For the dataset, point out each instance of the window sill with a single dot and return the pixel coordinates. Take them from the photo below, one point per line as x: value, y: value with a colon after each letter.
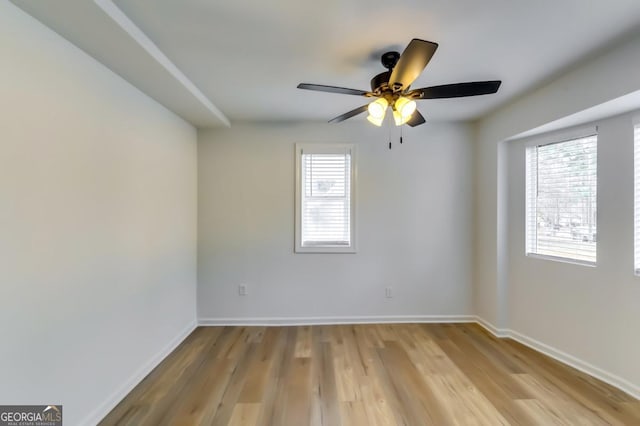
x: 325, y: 250
x: 562, y: 259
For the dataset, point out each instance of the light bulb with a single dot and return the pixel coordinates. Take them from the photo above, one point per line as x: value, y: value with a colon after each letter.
x: 405, y: 106
x: 378, y: 107
x: 375, y: 120
x: 399, y: 119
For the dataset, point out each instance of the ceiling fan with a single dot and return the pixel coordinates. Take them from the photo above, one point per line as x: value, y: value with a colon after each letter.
x: 392, y: 88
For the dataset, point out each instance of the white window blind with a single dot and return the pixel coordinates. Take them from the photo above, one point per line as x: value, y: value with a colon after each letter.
x: 561, y: 200
x: 325, y: 198
x: 636, y: 202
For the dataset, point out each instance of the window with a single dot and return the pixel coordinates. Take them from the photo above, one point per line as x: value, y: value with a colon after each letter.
x: 636, y: 202
x: 561, y: 200
x: 325, y: 198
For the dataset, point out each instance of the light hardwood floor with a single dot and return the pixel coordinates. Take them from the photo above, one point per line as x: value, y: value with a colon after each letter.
x: 401, y: 374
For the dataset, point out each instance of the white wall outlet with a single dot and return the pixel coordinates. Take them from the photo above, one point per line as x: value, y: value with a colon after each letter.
x: 388, y: 292
x: 242, y: 290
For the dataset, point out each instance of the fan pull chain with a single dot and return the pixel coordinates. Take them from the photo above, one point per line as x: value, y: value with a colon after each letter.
x: 400, y: 135
x: 389, y: 127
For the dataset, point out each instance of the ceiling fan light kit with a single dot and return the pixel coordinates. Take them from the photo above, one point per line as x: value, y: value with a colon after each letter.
x: 399, y: 119
x: 405, y: 106
x: 378, y: 108
x: 377, y: 121
x: 393, y: 87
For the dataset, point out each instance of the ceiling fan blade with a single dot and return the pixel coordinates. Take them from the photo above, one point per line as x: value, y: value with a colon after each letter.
x: 349, y: 114
x: 457, y: 90
x: 416, y: 119
x: 411, y: 63
x: 333, y: 89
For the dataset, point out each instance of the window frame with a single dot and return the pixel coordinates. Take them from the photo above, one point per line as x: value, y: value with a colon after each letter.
x: 635, y: 127
x: 553, y: 138
x: 327, y: 148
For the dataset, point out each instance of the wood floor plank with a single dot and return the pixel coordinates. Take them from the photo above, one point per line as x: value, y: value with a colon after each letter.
x: 462, y: 402
x: 327, y: 391
x: 496, y: 370
x: 426, y: 355
x: 245, y: 414
x: 303, y: 343
x: 297, y: 405
x: 345, y: 368
x: 256, y: 382
x: 558, y: 404
x: 199, y: 403
x: 416, y: 398
x: 387, y: 392
x: 376, y: 403
x: 484, y: 382
x: 273, y: 409
x: 354, y: 413
x: 539, y: 413
x: 491, y: 348
x: 366, y: 375
x: 235, y: 384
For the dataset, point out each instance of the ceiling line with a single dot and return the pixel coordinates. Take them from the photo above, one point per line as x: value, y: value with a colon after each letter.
x: 120, y: 18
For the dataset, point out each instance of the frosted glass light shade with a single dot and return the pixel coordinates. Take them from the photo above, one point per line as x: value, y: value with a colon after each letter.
x: 375, y: 120
x: 378, y: 107
x: 405, y: 106
x: 399, y: 119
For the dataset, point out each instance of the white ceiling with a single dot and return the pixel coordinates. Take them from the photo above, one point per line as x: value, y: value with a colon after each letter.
x: 245, y: 57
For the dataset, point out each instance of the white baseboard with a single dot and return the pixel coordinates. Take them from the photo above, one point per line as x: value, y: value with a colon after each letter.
x: 563, y: 357
x: 273, y: 321
x: 498, y: 332
x: 99, y: 413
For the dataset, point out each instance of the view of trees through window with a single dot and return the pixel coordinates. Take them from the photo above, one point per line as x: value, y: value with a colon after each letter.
x: 562, y: 199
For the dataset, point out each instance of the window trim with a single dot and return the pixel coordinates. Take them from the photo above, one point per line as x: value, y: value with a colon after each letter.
x: 324, y: 148
x: 552, y: 138
x: 559, y: 136
x: 635, y: 123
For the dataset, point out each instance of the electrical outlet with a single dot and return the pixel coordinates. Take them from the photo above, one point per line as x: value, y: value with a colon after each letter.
x: 388, y: 293
x: 242, y: 290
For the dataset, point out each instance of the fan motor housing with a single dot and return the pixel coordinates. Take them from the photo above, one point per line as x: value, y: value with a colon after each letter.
x: 380, y: 81
x: 389, y: 59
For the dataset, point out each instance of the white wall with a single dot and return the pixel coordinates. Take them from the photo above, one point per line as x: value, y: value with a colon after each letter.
x: 592, y: 312
x: 600, y: 79
x: 97, y: 224
x: 413, y: 217
x: 589, y: 314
